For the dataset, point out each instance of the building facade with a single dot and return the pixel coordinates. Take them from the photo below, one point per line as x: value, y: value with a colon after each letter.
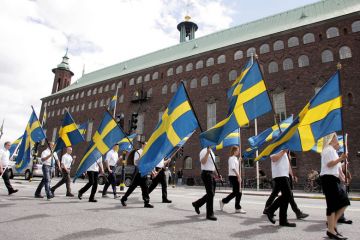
x: 298, y: 51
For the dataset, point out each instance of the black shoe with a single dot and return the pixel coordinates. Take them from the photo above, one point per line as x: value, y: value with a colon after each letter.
x: 13, y: 191
x: 70, y: 195
x: 38, y: 196
x: 333, y: 236
x: 345, y: 221
x: 212, y: 218
x: 116, y: 196
x: 105, y: 196
x: 197, y: 209
x: 92, y: 200
x: 265, y: 211
x: 301, y: 215
x: 79, y: 195
x: 148, y: 205
x: 287, y: 224
x: 270, y: 217
x: 123, y: 202
x: 167, y: 201
x: 52, y: 192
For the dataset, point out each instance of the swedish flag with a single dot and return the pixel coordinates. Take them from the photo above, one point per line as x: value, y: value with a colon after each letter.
x: 112, y: 103
x: 107, y: 135
x: 179, y: 145
x: 125, y: 143
x: 233, y: 139
x: 319, y: 145
x: 33, y: 133
x: 14, y: 145
x: 250, y: 101
x: 320, y: 117
x: 177, y: 122
x: 82, y: 128
x: 69, y: 134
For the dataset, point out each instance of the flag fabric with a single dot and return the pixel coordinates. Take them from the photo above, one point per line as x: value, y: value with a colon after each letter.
x: 82, y: 129
x: 69, y: 134
x: 33, y: 133
x: 112, y: 103
x: 179, y: 145
x: 320, y: 117
x: 107, y: 135
x: 125, y: 143
x: 250, y: 100
x: 177, y: 122
x: 233, y: 139
x: 319, y: 145
x: 14, y: 145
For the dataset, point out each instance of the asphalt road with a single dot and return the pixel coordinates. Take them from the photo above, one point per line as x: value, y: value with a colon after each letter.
x: 24, y: 217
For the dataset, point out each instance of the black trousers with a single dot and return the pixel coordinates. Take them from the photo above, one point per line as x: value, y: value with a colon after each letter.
x: 93, y: 182
x: 65, y: 179
x: 138, y: 181
x: 282, y: 202
x: 160, y: 178
x: 6, y: 178
x: 208, y: 198
x: 275, y: 193
x: 112, y: 181
x: 235, y: 192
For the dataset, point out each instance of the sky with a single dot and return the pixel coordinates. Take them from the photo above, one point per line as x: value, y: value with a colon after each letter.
x: 98, y: 33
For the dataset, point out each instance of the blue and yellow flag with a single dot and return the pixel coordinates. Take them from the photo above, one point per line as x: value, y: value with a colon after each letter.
x: 69, y: 134
x: 125, y: 143
x: 107, y: 135
x: 319, y: 145
x: 44, y: 117
x: 14, y: 145
x: 177, y: 122
x: 82, y: 129
x: 320, y: 117
x: 233, y: 139
x: 112, y: 104
x: 33, y: 133
x: 179, y: 145
x: 250, y: 100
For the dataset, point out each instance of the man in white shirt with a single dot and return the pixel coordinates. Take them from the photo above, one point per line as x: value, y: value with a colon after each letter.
x: 280, y: 168
x: 66, y: 162
x: 111, y: 160
x: 159, y: 176
x: 4, y: 167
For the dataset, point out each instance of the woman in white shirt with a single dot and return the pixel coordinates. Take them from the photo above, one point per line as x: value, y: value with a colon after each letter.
x: 336, y: 197
x: 235, y: 180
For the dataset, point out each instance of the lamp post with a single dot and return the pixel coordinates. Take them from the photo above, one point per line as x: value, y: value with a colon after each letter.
x: 122, y: 182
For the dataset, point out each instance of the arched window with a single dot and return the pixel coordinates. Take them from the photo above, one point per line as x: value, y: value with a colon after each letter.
x: 119, y: 85
x: 155, y: 75
x: 232, y: 75
x: 139, y: 80
x: 173, y: 88
x: 308, y: 38
x: 265, y: 48
x: 76, y: 97
x: 189, y: 67
x: 278, y: 45
x: 293, y: 42
x: 90, y: 105
x: 102, y: 103
x: 204, y: 81
x: 327, y: 56
x: 170, y: 72
x: 106, y: 88
x: 179, y: 69
x: 238, y: 55
x: 63, y: 98
x: 188, y: 163
x: 82, y: 94
x: 199, y: 64
x: 164, y: 89
x: 215, y: 78
x: 279, y: 105
x: 107, y: 102
x: 221, y: 59
x: 303, y: 61
x: 83, y: 107
x: 96, y: 104
x: 66, y: 99
x: 147, y: 77
x: 345, y: 52
x: 355, y: 26
x: 149, y: 92
x: 288, y: 64
x: 193, y: 83
x: 210, y: 62
x: 332, y: 32
x: 58, y: 112
x: 121, y: 98
x: 100, y: 89
x: 251, y: 51
x: 273, y: 67
x: 77, y: 108
x: 94, y: 91
x: 89, y: 93
x: 113, y: 86
x: 132, y: 81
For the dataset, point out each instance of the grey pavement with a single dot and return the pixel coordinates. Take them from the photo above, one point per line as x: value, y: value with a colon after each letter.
x: 24, y: 217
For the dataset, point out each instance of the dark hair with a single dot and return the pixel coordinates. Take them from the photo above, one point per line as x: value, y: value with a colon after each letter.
x: 6, y: 143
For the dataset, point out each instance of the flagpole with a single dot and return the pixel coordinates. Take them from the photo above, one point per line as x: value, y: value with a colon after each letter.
x: 201, y: 130
x: 257, y: 162
x: 46, y: 140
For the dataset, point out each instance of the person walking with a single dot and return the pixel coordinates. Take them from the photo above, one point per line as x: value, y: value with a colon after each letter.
x: 66, y: 162
x: 4, y: 167
x: 111, y: 160
x: 160, y: 177
x: 93, y: 174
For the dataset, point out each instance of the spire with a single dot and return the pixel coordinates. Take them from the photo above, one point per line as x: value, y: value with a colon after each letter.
x: 187, y: 29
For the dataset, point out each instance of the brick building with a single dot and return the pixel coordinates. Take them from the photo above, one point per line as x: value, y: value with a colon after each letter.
x: 298, y: 51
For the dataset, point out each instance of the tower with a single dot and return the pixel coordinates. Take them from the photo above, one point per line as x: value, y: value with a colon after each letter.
x: 187, y: 29
x: 63, y: 75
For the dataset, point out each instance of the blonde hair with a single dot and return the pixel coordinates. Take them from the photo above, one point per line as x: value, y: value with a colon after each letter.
x: 233, y: 150
x: 328, y: 139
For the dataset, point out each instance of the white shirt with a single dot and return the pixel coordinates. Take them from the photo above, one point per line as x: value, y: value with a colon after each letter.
x: 137, y: 156
x: 66, y: 160
x: 4, y: 157
x: 281, y: 167
x: 95, y: 166
x: 112, y: 158
x: 329, y: 154
x: 50, y: 160
x: 233, y: 164
x: 161, y: 164
x: 209, y: 165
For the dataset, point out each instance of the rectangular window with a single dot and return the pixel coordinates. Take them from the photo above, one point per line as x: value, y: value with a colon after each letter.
x: 249, y: 163
x: 217, y: 161
x: 280, y: 106
x: 89, y: 132
x: 140, y: 124
x: 188, y: 163
x: 160, y: 115
x: 211, y: 115
x: 54, y: 135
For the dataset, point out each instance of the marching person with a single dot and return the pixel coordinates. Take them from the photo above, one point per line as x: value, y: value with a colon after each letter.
x: 207, y: 175
x: 93, y: 173
x: 335, y: 195
x: 235, y: 180
x: 48, y: 158
x: 160, y: 176
x: 66, y: 162
x: 4, y: 167
x: 111, y: 160
x: 280, y: 168
x: 133, y: 158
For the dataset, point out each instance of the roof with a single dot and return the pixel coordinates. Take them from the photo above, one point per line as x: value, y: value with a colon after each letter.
x: 309, y: 14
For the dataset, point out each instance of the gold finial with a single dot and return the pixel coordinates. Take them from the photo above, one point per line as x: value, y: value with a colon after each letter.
x: 256, y: 56
x: 187, y: 18
x: 338, y: 66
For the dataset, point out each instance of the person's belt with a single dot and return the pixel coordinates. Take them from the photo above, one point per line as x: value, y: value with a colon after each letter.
x: 207, y: 171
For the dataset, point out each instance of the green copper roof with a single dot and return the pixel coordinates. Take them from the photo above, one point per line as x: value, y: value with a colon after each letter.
x: 295, y: 18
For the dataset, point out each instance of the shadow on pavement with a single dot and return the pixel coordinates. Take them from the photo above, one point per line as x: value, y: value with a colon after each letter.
x: 98, y: 232
x: 30, y: 217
